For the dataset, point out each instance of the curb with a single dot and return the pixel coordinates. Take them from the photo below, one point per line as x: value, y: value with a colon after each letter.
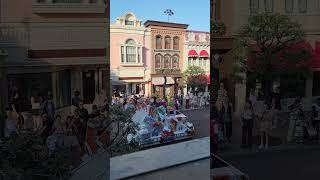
x: 275, y: 149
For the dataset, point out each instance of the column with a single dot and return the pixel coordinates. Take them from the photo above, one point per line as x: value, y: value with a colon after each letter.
x: 309, y: 87
x: 125, y: 54
x: 137, y: 49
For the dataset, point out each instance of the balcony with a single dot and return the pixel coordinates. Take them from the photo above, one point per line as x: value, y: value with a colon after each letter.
x: 68, y: 6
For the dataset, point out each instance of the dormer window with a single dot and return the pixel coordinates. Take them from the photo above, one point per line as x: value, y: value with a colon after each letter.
x: 129, y: 23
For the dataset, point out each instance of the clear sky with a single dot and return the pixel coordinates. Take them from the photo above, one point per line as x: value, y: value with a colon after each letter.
x: 195, y: 13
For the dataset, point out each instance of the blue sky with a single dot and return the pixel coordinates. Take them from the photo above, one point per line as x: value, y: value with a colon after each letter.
x: 196, y: 13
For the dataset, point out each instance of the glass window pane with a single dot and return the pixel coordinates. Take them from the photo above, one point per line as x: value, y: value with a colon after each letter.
x: 122, y: 54
x: 131, y: 54
x: 268, y: 4
x: 139, y: 54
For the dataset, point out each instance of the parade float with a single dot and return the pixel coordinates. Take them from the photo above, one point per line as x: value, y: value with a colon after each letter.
x: 158, y: 127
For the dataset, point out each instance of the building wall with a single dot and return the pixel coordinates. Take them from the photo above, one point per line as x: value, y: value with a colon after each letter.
x: 164, y: 31
x: 198, y: 46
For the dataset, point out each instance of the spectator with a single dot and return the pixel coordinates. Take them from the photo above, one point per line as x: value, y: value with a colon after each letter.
x: 76, y: 99
x: 247, y: 125
x: 78, y: 126
x: 46, y: 128
x: 84, y: 114
x: 49, y: 110
x: 16, y: 107
x: 11, y: 123
x: 36, y: 101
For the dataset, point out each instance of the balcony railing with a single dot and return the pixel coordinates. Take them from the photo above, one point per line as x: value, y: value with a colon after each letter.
x: 68, y: 6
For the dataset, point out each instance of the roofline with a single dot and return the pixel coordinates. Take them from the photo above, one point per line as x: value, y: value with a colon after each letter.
x: 198, y: 31
x: 166, y: 24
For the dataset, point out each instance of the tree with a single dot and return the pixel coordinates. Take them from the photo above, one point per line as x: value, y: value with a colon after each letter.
x: 269, y: 46
x: 195, y: 76
x: 120, y: 126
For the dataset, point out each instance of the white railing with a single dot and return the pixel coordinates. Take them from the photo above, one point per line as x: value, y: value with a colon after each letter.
x: 14, y: 34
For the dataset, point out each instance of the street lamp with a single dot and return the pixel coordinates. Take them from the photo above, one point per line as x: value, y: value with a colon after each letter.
x: 3, y: 95
x: 169, y: 13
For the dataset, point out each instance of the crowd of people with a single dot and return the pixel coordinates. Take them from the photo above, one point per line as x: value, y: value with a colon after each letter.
x: 260, y: 114
x: 55, y: 129
x: 190, y: 100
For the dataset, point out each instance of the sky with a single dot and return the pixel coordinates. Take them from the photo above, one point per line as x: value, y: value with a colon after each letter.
x: 195, y: 13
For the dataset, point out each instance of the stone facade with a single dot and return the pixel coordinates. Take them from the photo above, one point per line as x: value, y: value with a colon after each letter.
x: 167, y: 50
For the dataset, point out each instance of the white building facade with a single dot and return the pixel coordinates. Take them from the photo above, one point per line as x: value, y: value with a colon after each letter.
x: 197, y: 51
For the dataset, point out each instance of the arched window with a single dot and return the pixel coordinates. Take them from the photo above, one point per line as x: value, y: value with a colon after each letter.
x: 167, y: 42
x: 175, y: 62
x: 131, y: 51
x: 158, y: 61
x: 176, y: 43
x: 167, y: 61
x: 130, y: 42
x: 158, y: 42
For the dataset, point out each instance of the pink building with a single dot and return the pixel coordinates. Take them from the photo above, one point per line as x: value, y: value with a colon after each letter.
x: 130, y: 55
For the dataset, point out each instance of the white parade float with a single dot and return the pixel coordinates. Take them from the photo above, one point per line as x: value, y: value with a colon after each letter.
x: 158, y: 127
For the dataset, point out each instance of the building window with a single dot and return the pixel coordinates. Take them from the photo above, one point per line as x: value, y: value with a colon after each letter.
x: 302, y: 6
x: 204, y: 63
x: 268, y: 5
x: 254, y: 6
x: 139, y: 54
x: 158, y: 61
x: 167, y: 42
x: 176, y: 43
x: 122, y: 54
x: 175, y: 62
x: 189, y: 61
x: 129, y: 23
x: 167, y: 62
x: 289, y: 6
x: 131, y: 54
x: 200, y: 62
x: 158, y: 42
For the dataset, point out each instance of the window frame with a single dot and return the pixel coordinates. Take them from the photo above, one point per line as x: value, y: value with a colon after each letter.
x: 160, y: 59
x: 254, y: 10
x: 176, y: 42
x: 167, y: 42
x: 159, y: 44
x: 266, y: 2
x: 303, y: 11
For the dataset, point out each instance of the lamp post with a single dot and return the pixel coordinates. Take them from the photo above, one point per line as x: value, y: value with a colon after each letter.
x: 169, y: 13
x: 3, y: 95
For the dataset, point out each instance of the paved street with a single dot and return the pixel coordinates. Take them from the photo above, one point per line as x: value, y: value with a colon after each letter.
x: 294, y: 164
x: 200, y: 119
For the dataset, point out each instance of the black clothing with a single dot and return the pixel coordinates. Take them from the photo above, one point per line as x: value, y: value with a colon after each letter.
x: 247, y: 132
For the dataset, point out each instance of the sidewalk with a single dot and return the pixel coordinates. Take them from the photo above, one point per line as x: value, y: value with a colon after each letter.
x: 277, y: 141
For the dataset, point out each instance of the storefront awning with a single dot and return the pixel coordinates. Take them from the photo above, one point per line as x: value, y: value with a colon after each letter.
x: 192, y: 53
x: 158, y: 81
x: 204, y: 53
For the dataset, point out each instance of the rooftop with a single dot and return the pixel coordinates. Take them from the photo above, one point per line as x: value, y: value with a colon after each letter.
x: 165, y: 24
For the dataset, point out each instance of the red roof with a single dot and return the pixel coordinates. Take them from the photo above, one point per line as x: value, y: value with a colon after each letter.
x: 192, y: 53
x: 204, y: 53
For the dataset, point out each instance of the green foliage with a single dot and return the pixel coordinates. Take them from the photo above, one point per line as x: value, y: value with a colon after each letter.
x: 262, y: 39
x: 27, y: 157
x: 121, y: 125
x: 195, y: 76
x: 218, y: 28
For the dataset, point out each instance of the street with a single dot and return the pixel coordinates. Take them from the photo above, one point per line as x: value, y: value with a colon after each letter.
x: 200, y: 119
x: 294, y: 164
